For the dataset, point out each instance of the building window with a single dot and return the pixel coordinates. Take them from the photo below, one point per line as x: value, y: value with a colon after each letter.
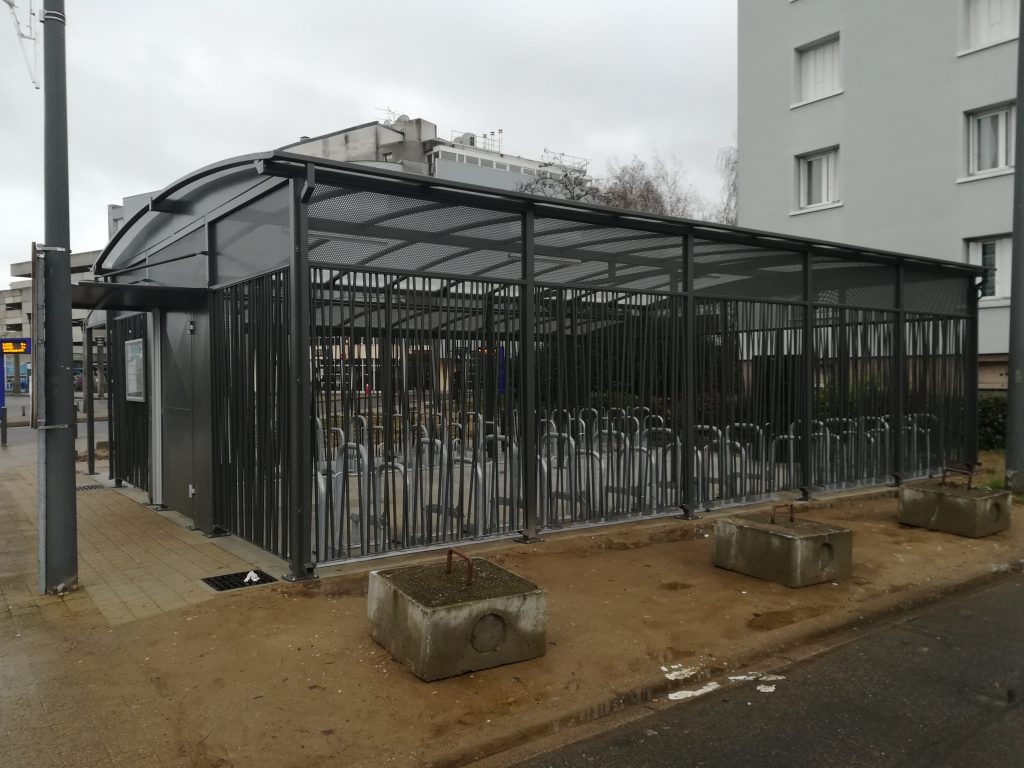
x: 818, y: 70
x: 994, y: 255
x: 818, y: 178
x: 992, y: 21
x: 991, y: 134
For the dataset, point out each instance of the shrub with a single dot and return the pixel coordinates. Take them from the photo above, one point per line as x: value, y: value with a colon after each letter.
x: 991, y: 421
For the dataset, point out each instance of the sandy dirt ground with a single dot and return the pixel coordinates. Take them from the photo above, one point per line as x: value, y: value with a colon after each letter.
x: 287, y: 675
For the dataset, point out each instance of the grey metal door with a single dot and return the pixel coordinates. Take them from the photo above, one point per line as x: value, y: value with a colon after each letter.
x: 187, y: 475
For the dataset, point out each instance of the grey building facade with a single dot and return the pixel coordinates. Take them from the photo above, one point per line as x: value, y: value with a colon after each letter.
x: 16, y: 317
x: 887, y: 125
x: 412, y: 145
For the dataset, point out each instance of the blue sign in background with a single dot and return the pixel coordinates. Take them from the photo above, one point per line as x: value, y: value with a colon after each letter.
x: 11, y: 347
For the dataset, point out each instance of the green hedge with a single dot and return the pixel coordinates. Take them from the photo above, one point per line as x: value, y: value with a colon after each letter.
x: 991, y: 421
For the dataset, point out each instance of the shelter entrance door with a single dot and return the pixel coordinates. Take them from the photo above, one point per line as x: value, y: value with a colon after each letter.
x: 187, y: 484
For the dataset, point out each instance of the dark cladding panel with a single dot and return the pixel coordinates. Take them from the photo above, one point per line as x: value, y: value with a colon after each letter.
x: 253, y: 239
x: 736, y: 270
x: 180, y: 264
x: 929, y: 290
x: 854, y: 283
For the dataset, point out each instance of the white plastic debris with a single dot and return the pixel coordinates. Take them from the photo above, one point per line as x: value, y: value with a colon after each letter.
x: 679, y: 672
x: 678, y: 695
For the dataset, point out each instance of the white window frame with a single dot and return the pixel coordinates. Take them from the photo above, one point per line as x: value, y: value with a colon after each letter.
x: 1006, y: 138
x: 802, y: 93
x: 1003, y: 258
x: 977, y: 12
x: 830, y: 180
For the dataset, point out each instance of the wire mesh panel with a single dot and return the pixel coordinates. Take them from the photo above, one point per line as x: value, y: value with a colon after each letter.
x: 934, y: 417
x: 745, y: 271
x: 359, y: 228
x: 749, y: 387
x: 415, y: 396
x: 854, y: 389
x: 250, y: 383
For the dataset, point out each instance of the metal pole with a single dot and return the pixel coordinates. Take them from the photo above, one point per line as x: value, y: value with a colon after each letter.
x: 1015, y: 380
x: 899, y: 389
x: 3, y: 401
x: 528, y: 381
x: 58, y: 531
x: 689, y: 383
x: 87, y: 393
x: 300, y: 398
x: 807, y: 406
x: 971, y: 380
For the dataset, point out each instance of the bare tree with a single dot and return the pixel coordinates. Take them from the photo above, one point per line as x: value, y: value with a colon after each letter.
x: 658, y: 187
x: 563, y: 182
x: 728, y: 168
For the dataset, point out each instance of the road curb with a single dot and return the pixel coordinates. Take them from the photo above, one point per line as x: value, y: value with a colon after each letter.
x: 773, y: 658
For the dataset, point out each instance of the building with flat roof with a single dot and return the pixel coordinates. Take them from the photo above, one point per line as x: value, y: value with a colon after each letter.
x: 887, y: 125
x: 412, y: 145
x: 16, y: 317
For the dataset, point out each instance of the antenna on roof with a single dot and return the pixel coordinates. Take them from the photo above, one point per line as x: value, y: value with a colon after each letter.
x: 389, y: 114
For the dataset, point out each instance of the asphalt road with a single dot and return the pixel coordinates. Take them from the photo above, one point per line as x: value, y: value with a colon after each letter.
x: 941, y: 687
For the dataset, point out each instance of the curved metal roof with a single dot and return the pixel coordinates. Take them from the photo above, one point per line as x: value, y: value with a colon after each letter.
x: 184, y: 202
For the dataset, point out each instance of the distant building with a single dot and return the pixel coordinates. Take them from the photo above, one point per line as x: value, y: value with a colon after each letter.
x: 413, y: 146
x: 889, y: 125
x: 16, y: 317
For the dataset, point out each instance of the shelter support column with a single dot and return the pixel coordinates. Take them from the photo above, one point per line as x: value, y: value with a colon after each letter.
x: 300, y: 410
x: 88, y: 394
x: 689, y: 404
x: 807, y: 384
x: 971, y: 379
x: 528, y: 382
x: 899, y: 377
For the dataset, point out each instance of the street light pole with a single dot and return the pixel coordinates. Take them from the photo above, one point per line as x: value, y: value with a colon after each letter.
x: 56, y: 504
x: 1015, y: 379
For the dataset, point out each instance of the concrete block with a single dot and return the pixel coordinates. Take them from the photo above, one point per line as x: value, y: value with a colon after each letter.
x: 971, y: 512
x: 440, y: 627
x: 797, y: 553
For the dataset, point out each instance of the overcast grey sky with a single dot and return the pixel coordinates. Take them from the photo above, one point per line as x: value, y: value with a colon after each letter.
x: 156, y: 90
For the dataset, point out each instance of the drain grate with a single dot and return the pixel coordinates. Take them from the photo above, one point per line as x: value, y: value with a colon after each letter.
x: 238, y: 580
x: 92, y: 487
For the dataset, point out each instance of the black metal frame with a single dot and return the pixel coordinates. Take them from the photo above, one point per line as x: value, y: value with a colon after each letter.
x: 543, y: 363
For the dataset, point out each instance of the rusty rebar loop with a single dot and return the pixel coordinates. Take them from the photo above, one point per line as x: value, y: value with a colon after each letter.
x: 469, y: 564
x: 788, y: 506
x: 957, y: 471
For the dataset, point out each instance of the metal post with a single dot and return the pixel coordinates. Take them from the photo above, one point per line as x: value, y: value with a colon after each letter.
x: 58, y: 531
x: 300, y: 398
x: 689, y: 381
x: 3, y: 401
x: 1015, y: 379
x: 899, y: 359
x: 87, y: 393
x: 528, y: 381
x: 807, y: 406
x: 971, y: 379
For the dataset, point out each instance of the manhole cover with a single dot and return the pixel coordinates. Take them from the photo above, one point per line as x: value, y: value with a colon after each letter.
x: 238, y: 580
x: 88, y: 487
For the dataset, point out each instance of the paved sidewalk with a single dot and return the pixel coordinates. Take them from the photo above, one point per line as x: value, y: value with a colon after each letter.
x: 144, y: 666
x: 133, y: 562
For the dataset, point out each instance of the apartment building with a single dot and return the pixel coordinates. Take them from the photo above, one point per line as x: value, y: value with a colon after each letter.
x: 886, y: 124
